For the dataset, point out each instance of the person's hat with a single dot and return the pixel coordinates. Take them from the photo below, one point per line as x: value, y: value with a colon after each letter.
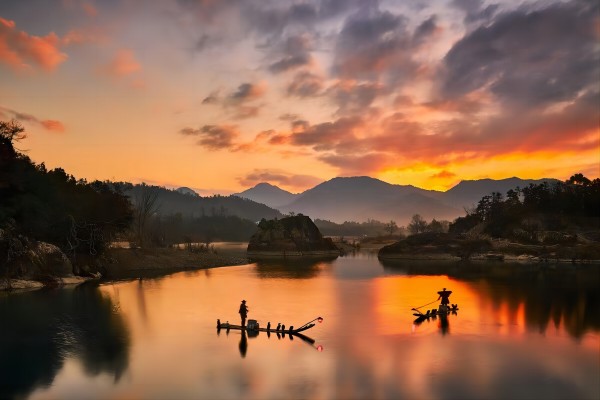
x: 243, y: 301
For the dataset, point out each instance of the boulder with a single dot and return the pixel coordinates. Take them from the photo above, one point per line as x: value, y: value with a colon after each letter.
x: 47, y: 260
x: 290, y: 236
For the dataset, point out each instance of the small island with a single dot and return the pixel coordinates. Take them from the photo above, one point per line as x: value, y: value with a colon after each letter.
x: 293, y: 236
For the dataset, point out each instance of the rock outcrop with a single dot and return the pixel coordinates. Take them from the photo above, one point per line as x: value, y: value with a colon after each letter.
x: 23, y: 258
x: 48, y: 260
x: 295, y: 236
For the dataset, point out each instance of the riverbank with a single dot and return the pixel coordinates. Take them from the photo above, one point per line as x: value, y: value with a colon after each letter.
x: 124, y: 263
x: 134, y: 263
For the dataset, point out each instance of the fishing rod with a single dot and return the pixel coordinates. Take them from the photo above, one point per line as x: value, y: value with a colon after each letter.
x: 320, y: 319
x: 417, y: 308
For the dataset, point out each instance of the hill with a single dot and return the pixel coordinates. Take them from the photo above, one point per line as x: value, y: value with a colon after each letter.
x: 186, y: 190
x: 172, y: 202
x: 363, y: 198
x: 468, y: 192
x: 268, y: 194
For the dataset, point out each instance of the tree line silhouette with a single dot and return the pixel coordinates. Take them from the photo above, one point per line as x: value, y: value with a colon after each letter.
x: 539, y: 213
x: 79, y: 217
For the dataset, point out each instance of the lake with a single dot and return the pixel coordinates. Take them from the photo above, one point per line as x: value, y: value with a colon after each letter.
x: 521, y: 332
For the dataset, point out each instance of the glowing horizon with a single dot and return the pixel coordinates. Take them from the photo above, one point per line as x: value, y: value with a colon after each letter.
x: 221, y: 95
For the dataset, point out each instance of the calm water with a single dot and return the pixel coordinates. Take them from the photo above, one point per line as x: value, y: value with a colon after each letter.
x: 520, y: 333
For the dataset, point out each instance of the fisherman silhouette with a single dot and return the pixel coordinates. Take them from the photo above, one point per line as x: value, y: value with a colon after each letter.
x: 278, y: 326
x: 243, y: 313
x: 445, y: 296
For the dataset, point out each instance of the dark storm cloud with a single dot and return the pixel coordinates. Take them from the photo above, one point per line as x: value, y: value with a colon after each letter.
x: 527, y: 57
x: 294, y: 52
x: 274, y: 17
x: 246, y: 92
x: 300, y: 125
x: 328, y: 135
x: 333, y: 8
x: 213, y: 137
x: 474, y: 10
x: 289, y: 62
x: 352, y: 98
x: 305, y: 84
x: 425, y: 30
x: 240, y: 103
x: 212, y: 98
x: 374, y: 43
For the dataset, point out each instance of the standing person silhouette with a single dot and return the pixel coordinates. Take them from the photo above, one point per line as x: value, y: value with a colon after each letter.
x: 445, y: 296
x: 243, y: 313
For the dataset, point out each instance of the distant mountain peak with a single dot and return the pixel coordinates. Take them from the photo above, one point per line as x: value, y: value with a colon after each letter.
x: 265, y: 185
x: 268, y: 194
x: 186, y: 190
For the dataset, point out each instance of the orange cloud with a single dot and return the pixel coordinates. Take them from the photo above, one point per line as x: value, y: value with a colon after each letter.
x: 89, y: 9
x: 48, y: 124
x: 444, y: 175
x: 22, y: 51
x: 279, y: 178
x: 123, y: 64
x: 53, y: 125
x: 214, y: 137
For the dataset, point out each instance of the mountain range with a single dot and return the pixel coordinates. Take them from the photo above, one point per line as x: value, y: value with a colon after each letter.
x: 362, y: 198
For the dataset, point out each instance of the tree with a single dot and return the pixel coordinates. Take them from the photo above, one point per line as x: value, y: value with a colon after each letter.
x: 579, y: 179
x: 436, y: 226
x: 11, y: 131
x: 146, y: 204
x: 391, y: 227
x: 417, y: 224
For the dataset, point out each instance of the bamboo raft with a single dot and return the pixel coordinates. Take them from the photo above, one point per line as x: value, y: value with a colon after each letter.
x: 256, y: 328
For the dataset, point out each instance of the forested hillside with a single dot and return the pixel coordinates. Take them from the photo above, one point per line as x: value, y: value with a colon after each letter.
x: 79, y: 217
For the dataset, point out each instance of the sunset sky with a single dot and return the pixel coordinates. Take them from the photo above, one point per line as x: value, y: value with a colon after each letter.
x: 219, y: 95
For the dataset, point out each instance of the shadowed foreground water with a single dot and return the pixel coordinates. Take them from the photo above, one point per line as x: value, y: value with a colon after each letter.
x: 521, y: 332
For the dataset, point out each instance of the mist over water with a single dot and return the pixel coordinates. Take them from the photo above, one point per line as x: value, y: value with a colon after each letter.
x: 520, y: 332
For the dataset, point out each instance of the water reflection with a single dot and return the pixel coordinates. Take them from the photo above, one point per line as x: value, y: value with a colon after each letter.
x: 243, y: 344
x: 554, y: 295
x: 442, y: 321
x: 374, y: 349
x: 40, y: 330
x: 245, y: 334
x: 291, y: 268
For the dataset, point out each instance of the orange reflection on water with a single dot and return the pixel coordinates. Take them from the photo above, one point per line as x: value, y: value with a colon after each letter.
x: 171, y: 318
x: 396, y: 296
